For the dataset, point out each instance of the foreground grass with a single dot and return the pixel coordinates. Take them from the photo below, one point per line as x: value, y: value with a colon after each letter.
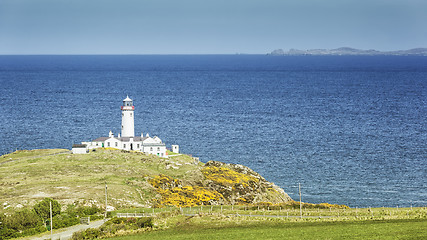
x: 369, y: 229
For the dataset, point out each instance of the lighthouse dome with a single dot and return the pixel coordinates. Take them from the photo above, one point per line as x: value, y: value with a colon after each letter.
x: 127, y: 99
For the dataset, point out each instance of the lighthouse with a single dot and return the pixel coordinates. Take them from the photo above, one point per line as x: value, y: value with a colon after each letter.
x: 128, y: 129
x: 127, y: 140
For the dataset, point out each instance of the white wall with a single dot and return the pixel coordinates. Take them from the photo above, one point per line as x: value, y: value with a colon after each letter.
x: 114, y: 143
x: 79, y: 150
x: 92, y: 145
x: 128, y: 123
x: 155, y: 150
x: 175, y: 148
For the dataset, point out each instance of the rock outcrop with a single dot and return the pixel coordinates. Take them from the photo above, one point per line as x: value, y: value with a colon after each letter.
x: 222, y: 184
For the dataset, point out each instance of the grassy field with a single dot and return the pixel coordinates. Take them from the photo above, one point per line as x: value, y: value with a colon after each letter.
x: 368, y: 229
x: 275, y: 211
x: 239, y: 222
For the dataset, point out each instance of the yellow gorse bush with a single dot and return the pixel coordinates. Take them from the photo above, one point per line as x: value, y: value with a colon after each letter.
x: 164, y: 182
x: 173, y: 194
x: 227, y: 177
x: 111, y: 149
x: 188, y: 196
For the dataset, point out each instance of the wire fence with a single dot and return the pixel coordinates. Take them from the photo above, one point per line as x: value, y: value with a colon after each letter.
x: 266, y: 211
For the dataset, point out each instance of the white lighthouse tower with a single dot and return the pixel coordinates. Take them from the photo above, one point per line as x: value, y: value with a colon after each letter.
x: 128, y: 129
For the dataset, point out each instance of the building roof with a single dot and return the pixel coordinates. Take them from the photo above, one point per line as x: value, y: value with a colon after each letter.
x: 127, y: 139
x: 154, y: 144
x: 135, y: 139
x: 122, y: 139
x: 127, y: 99
x: 100, y: 139
x: 79, y: 145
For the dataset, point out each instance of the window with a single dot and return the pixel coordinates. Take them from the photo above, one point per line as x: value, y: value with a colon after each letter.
x: 131, y: 114
x: 96, y: 144
x: 124, y: 145
x: 151, y: 148
x: 108, y: 143
x: 123, y: 114
x: 116, y: 144
x: 137, y: 145
x: 158, y: 149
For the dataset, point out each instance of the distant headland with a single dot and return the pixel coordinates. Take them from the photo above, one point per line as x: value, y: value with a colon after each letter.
x: 349, y: 51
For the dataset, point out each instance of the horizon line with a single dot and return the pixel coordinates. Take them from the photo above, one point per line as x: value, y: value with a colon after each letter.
x: 171, y: 54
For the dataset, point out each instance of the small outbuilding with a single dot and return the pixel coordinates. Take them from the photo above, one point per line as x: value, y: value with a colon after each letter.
x: 175, y: 148
x: 79, y: 149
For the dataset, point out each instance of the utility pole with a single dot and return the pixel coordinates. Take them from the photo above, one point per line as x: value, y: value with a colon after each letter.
x: 105, y: 215
x: 51, y: 224
x: 300, y: 205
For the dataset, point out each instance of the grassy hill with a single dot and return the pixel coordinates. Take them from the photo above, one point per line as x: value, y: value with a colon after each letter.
x: 133, y: 178
x: 137, y: 182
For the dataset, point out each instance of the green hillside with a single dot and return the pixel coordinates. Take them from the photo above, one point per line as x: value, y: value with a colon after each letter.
x: 133, y: 178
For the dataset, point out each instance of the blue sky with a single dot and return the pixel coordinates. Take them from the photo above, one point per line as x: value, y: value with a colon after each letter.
x: 208, y: 27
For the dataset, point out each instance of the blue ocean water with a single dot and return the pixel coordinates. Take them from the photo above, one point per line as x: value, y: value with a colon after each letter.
x: 351, y: 129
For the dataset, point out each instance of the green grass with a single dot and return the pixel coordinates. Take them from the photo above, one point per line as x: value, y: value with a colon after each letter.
x: 379, y: 229
x: 18, y: 155
x: 350, y: 213
x: 170, y: 153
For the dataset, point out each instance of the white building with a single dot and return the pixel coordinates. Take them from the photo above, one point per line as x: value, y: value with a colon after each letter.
x: 79, y: 149
x: 127, y: 140
x: 175, y: 148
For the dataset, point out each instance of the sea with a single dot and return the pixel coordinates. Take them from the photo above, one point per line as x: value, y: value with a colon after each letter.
x: 349, y: 129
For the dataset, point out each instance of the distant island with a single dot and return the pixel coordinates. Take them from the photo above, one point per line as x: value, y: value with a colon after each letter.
x: 348, y: 51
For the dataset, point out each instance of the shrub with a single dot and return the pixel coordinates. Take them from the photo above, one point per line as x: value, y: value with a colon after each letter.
x: 22, y: 220
x: 174, y: 194
x: 33, y: 231
x: 7, y: 233
x: 114, y: 225
x: 83, y: 210
x: 64, y: 220
x: 96, y: 217
x: 43, y: 209
x: 144, y: 222
x: 90, y: 233
x: 22, y: 223
x: 228, y: 177
x: 111, y: 229
x: 117, y: 220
